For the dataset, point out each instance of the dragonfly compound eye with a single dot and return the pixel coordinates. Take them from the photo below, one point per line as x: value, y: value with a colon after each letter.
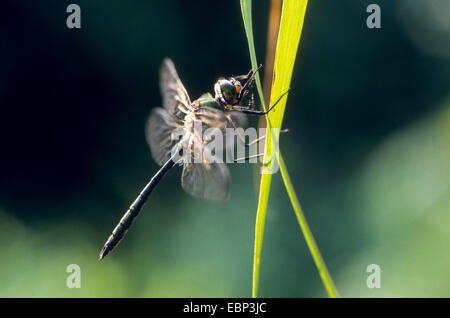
x: 229, y: 91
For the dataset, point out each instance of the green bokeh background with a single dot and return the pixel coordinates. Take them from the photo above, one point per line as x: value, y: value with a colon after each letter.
x: 368, y: 151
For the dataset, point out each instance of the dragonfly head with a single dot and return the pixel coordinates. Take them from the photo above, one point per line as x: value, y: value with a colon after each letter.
x: 228, y: 91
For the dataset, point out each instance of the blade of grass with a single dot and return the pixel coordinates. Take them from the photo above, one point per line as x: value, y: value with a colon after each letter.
x: 292, y: 18
x: 310, y: 241
x: 271, y: 46
x: 246, y: 8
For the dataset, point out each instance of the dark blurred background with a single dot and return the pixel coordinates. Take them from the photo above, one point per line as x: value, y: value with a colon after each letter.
x: 368, y: 151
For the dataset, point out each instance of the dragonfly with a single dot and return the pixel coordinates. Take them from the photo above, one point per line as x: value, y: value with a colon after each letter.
x: 205, y: 178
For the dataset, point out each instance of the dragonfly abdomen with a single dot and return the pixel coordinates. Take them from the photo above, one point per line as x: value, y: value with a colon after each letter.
x: 132, y: 212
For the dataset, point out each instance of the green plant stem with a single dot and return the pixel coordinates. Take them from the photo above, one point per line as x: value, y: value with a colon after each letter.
x: 310, y: 241
x: 259, y: 232
x: 266, y: 181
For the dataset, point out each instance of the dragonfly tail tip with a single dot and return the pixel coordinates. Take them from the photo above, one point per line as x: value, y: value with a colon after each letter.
x: 103, y: 253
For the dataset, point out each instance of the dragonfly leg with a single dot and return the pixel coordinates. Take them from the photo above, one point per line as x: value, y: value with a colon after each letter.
x: 242, y: 138
x: 263, y: 137
x: 249, y: 157
x: 248, y: 110
x: 244, y: 77
x: 250, y: 77
x: 252, y: 143
x: 239, y: 133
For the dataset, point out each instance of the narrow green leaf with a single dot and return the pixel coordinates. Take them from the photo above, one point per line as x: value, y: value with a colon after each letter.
x: 291, y: 24
x: 246, y: 8
x: 310, y: 241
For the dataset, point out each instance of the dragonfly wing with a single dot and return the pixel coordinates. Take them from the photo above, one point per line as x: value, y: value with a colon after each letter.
x: 175, y: 97
x: 233, y: 119
x: 208, y: 181
x: 237, y: 120
x: 206, y: 96
x: 160, y: 134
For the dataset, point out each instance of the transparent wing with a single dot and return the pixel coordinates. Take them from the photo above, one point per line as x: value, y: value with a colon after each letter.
x: 175, y: 97
x: 212, y: 117
x: 206, y: 96
x: 236, y: 119
x: 160, y: 132
x: 208, y: 181
x: 215, y: 117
